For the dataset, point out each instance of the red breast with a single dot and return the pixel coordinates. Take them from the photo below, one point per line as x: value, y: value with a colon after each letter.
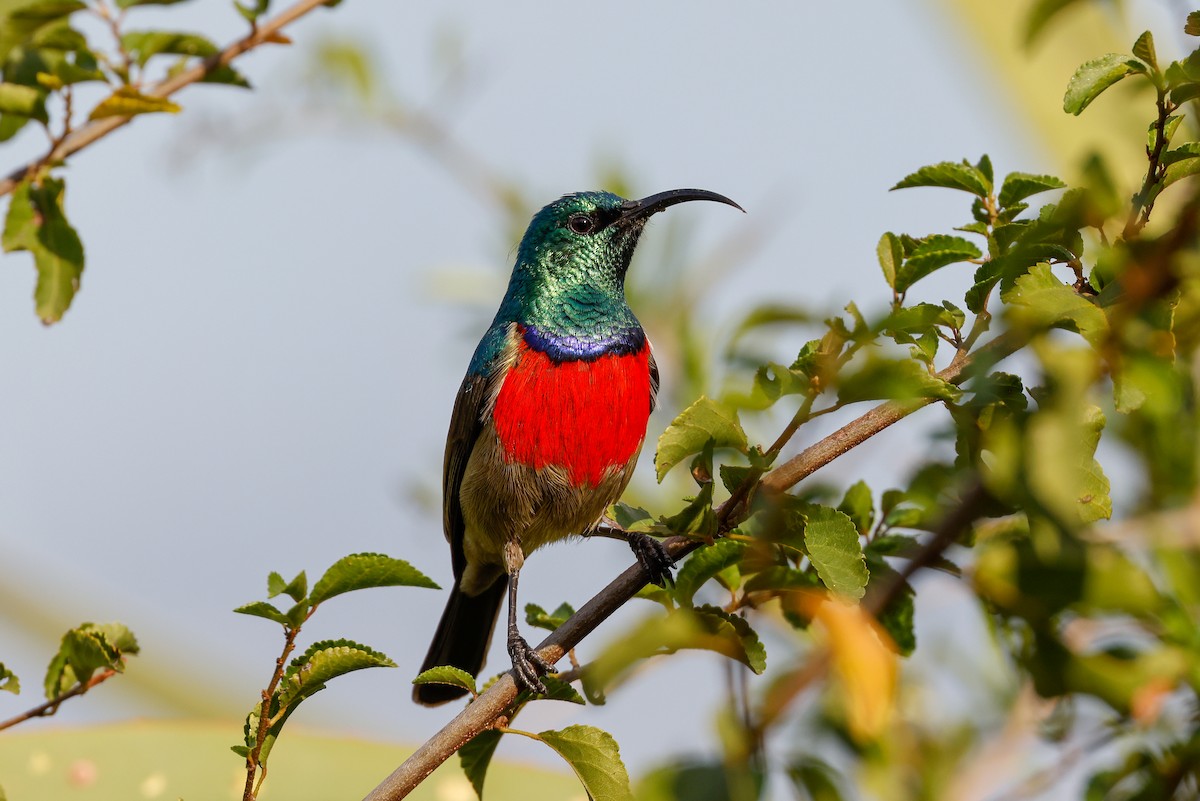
x: 585, y: 416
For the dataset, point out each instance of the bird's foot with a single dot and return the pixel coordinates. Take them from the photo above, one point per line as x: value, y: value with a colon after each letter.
x: 528, y: 666
x: 653, y: 556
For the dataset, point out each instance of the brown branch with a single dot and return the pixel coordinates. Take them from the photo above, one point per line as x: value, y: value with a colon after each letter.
x: 1143, y: 201
x: 50, y: 707
x: 264, y: 714
x: 92, y: 131
x: 482, y: 713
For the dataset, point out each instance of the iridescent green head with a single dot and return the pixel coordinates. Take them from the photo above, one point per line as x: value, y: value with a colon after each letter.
x: 594, y: 232
x: 569, y: 280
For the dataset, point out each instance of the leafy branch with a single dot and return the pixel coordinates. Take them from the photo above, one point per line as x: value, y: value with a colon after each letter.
x: 290, y: 684
x: 88, y: 656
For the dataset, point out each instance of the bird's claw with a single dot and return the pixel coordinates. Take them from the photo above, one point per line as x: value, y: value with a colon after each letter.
x: 528, y: 665
x: 653, y: 557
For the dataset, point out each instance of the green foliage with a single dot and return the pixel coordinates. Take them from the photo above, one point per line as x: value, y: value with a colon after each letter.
x: 36, y: 222
x: 704, y: 421
x: 445, y: 674
x: 9, y: 681
x: 365, y: 570
x: 84, y: 650
x: 1093, y: 77
x: 538, y: 617
x: 595, y: 758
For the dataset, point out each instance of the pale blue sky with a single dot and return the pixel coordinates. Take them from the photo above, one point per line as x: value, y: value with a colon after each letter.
x: 256, y: 372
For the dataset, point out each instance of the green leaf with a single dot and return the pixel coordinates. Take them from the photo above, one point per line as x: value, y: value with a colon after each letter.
x: 1038, y: 299
x: 1094, y: 76
x: 476, y: 756
x: 815, y: 779
x: 1192, y: 26
x: 771, y: 382
x: 631, y: 518
x: 1020, y: 185
x: 949, y: 175
x: 297, y: 588
x: 144, y: 45
x: 894, y: 379
x: 832, y: 543
x: 734, y: 636
x: 703, y: 564
x: 891, y: 255
x: 363, y: 570
x: 858, y: 505
x: 36, y: 223
x: 264, y: 610
x: 276, y: 584
x: 932, y: 253
x: 22, y: 101
x: 594, y: 756
x: 688, y: 433
x: 556, y: 690
x: 225, y: 74
x: 253, y: 10
x: 9, y: 681
x: 538, y: 617
x: 697, y: 519
x: 127, y: 101
x: 1182, y: 162
x: 322, y: 662
x: 446, y: 674
x: 84, y: 650
x: 1143, y: 48
x: 898, y: 617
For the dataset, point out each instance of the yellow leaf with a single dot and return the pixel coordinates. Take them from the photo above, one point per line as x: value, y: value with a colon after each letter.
x: 128, y: 101
x: 864, y: 660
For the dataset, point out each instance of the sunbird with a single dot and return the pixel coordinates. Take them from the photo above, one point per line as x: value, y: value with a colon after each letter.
x: 548, y: 423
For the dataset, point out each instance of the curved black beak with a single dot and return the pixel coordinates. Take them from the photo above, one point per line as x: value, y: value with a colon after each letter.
x: 637, y: 209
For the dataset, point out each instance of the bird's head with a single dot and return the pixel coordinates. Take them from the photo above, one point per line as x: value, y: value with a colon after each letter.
x: 593, y: 234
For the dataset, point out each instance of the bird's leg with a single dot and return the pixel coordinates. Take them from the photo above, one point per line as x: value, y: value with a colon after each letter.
x: 527, y: 664
x: 650, y: 552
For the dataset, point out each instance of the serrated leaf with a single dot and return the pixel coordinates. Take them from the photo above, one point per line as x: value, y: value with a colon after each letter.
x: 322, y: 662
x: 9, y: 681
x: 697, y: 519
x: 933, y: 253
x: 276, y: 584
x: 703, y: 564
x: 695, y: 426
x: 631, y: 518
x: 1039, y: 299
x: 831, y: 541
x: 297, y: 588
x: 476, y: 756
x: 949, y: 175
x: 264, y: 610
x: 446, y: 674
x: 22, y: 101
x: 894, y: 379
x: 364, y: 570
x: 127, y: 101
x: 538, y: 617
x: 1095, y: 76
x: 594, y: 756
x: 144, y: 45
x: 1019, y: 185
x: 84, y: 650
x: 891, y: 255
x: 734, y: 636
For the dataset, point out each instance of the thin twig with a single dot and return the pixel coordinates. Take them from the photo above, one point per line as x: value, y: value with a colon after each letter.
x: 92, y: 131
x: 264, y: 713
x: 50, y: 707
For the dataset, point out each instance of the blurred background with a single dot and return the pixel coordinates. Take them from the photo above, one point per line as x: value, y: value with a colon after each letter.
x: 284, y: 286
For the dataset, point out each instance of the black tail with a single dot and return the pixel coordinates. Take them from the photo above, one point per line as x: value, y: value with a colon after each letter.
x: 462, y: 639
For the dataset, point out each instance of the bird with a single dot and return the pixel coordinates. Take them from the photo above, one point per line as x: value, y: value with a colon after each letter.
x: 548, y: 422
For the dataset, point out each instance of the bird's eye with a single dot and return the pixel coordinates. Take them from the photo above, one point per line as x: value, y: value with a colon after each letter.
x: 581, y: 223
